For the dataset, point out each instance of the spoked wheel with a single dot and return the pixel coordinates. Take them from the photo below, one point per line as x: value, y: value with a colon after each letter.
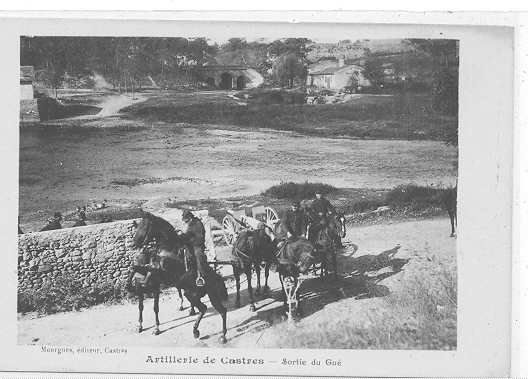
x: 230, y: 229
x: 271, y: 215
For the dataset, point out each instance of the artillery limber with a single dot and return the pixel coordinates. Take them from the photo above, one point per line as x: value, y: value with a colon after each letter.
x: 234, y: 222
x: 288, y: 260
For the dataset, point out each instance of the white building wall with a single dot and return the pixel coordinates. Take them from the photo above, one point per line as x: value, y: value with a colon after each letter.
x: 26, y: 91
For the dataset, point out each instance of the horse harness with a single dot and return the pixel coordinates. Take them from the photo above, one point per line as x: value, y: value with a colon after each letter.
x: 251, y: 246
x: 286, y: 261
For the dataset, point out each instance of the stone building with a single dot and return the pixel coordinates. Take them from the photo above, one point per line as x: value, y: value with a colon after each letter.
x: 335, y: 75
x: 231, y: 77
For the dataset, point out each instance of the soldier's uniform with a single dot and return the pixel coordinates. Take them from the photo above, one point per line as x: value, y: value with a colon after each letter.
x: 196, y: 233
x: 295, y: 222
x: 53, y: 223
x: 322, y: 208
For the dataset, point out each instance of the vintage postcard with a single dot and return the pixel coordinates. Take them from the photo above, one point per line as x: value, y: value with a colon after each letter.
x: 256, y: 195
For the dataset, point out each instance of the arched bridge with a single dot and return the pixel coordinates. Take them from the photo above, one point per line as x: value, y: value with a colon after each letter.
x: 231, y: 77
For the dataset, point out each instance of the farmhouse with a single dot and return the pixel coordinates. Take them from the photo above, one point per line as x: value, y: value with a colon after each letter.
x: 336, y: 75
x: 27, y: 76
x: 231, y: 77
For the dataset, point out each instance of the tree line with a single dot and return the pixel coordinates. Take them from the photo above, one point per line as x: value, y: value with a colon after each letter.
x: 121, y: 60
x: 130, y: 61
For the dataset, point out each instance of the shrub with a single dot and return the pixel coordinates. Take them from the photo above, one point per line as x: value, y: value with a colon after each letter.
x: 373, y: 89
x: 444, y: 92
x: 365, y: 205
x: 291, y: 190
x: 319, y: 100
x: 415, y: 196
x: 66, y: 293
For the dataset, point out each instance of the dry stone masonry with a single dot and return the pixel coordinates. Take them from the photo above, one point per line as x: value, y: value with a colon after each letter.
x: 88, y: 254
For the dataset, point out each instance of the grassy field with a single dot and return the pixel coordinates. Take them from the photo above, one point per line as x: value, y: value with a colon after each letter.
x: 421, y: 315
x: 403, y: 115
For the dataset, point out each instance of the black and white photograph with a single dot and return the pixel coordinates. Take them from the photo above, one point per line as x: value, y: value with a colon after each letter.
x: 251, y: 197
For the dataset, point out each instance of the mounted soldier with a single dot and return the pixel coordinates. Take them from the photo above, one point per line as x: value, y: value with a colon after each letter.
x: 295, y: 221
x: 293, y: 226
x: 196, y: 233
x: 319, y: 214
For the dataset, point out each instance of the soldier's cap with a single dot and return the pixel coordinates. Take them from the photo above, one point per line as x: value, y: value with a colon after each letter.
x: 318, y: 192
x: 296, y: 203
x: 187, y: 215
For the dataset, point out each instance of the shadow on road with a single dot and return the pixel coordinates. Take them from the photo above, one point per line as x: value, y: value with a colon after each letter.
x: 361, y: 282
x: 359, y: 278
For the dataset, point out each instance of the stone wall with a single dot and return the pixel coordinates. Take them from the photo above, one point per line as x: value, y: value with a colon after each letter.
x: 87, y: 254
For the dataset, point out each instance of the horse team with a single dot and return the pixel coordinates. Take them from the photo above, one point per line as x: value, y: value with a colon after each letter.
x: 172, y: 262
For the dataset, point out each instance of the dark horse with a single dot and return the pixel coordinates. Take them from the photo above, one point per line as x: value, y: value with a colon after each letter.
x: 171, y: 267
x: 294, y: 257
x: 252, y: 248
x: 135, y: 285
x: 325, y: 238
x: 449, y: 201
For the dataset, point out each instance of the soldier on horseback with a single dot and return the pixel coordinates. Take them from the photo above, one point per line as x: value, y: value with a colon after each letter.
x: 196, y: 233
x: 320, y: 211
x: 294, y: 223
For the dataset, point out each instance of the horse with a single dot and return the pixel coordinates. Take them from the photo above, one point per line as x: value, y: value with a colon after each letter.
x: 173, y: 267
x: 449, y: 201
x: 325, y: 238
x: 252, y: 248
x: 293, y: 258
x: 137, y: 286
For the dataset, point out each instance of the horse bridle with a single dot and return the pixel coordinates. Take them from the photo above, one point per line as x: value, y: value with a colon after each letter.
x: 336, y: 230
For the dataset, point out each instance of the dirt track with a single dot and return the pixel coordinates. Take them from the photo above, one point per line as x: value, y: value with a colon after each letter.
x: 115, y: 325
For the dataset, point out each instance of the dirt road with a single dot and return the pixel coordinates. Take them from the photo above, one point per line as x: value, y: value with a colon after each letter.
x: 115, y: 325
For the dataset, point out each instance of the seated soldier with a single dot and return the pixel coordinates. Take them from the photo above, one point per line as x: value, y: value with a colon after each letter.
x: 81, y: 220
x: 53, y: 223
